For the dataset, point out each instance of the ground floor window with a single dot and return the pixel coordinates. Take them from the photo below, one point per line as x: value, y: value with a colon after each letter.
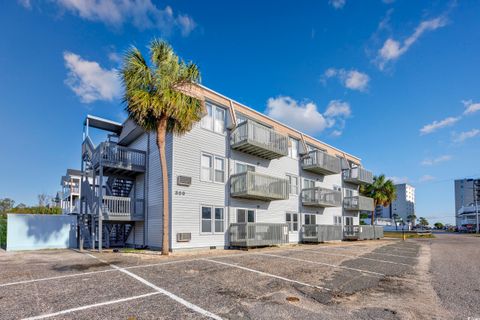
x: 212, y: 219
x: 292, y: 221
x: 337, y: 220
x: 245, y: 215
x: 310, y: 219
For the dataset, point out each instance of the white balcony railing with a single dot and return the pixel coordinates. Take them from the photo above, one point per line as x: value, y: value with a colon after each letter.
x: 321, y: 162
x: 254, y: 138
x: 321, y: 197
x: 253, y: 185
x: 358, y: 175
x: 358, y: 203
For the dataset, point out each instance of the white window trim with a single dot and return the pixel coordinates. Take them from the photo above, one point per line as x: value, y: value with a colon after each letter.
x: 298, y: 184
x: 304, y: 185
x: 297, y: 157
x: 291, y: 221
x: 246, y: 209
x: 309, y: 214
x: 214, y: 156
x: 212, y: 220
x: 212, y: 129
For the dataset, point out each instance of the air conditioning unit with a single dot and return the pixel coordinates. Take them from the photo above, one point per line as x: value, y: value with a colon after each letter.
x: 184, y: 181
x: 184, y: 237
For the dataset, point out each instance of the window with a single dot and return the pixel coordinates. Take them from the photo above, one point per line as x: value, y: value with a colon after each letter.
x: 337, y: 220
x: 337, y: 188
x: 219, y: 124
x: 206, y: 170
x: 293, y: 182
x: 219, y: 218
x: 348, y: 221
x: 206, y: 219
x: 212, y: 223
x: 310, y: 219
x: 245, y: 215
x: 212, y: 168
x: 242, y: 167
x: 214, y: 120
x: 219, y: 170
x: 293, y: 148
x: 292, y: 221
x: 348, y: 193
x: 308, y: 183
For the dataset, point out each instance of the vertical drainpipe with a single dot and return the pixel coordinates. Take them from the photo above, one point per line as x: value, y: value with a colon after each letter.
x: 229, y: 167
x: 100, y: 213
x: 146, y: 191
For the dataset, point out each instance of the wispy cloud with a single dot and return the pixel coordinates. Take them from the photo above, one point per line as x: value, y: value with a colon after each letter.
x: 437, y: 160
x: 470, y: 106
x: 435, y: 125
x: 426, y: 178
x: 305, y: 115
x: 462, y: 136
x: 393, y: 49
x: 89, y: 80
x: 142, y: 14
x: 337, y: 4
x: 351, y: 79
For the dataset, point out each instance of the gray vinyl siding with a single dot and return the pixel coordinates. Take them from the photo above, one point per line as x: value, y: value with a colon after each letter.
x: 187, y: 201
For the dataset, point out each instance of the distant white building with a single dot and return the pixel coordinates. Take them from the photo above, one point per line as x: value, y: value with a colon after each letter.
x: 403, y: 206
x: 466, y: 190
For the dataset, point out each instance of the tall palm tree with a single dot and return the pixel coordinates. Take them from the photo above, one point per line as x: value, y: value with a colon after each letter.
x: 411, y: 220
x: 159, y: 97
x: 382, y: 190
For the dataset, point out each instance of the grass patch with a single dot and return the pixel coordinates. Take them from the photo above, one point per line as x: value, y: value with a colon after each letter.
x: 407, y: 235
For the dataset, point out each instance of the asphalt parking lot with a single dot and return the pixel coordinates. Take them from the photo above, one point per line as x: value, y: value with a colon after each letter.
x: 344, y: 280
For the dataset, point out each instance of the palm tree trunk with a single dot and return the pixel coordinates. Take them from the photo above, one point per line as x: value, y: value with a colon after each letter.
x: 161, y: 134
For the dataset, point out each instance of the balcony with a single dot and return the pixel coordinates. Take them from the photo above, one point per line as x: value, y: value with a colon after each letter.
x: 255, y: 139
x: 321, y: 233
x: 358, y: 203
x: 321, y: 197
x: 358, y: 176
x: 116, y: 158
x: 253, y: 185
x: 321, y: 162
x: 122, y: 209
x: 247, y: 235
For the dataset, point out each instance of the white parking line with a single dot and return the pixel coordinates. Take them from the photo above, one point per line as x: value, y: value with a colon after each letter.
x: 380, y: 253
x: 267, y: 274
x: 324, y: 264
x: 56, y: 277
x: 96, y: 305
x: 358, y: 257
x: 162, y: 291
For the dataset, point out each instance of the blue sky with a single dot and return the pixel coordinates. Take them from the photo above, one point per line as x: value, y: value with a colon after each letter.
x: 393, y: 82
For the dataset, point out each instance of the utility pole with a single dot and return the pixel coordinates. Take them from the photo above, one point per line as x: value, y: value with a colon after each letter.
x: 476, y: 204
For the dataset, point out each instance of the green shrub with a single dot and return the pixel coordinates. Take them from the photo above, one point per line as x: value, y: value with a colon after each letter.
x: 3, y: 232
x: 37, y: 210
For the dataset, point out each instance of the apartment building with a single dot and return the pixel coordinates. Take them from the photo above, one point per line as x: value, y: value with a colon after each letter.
x: 238, y: 178
x: 403, y: 206
x: 467, y: 196
x: 69, y: 195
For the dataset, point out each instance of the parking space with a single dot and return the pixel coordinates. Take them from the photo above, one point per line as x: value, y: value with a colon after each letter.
x: 286, y: 282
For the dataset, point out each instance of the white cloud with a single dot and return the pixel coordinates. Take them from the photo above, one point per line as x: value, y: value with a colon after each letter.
x: 302, y: 116
x: 426, y: 178
x: 143, y: 14
x: 89, y: 80
x: 338, y: 108
x: 430, y: 162
x: 398, y: 180
x: 470, y: 106
x: 336, y: 133
x: 393, y: 49
x: 337, y: 4
x: 435, y: 125
x: 351, y: 79
x: 305, y: 116
x: 25, y: 3
x: 462, y: 136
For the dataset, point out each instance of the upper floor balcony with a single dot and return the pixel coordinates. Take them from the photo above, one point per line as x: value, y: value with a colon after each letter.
x: 122, y: 208
x: 113, y: 157
x: 253, y: 138
x: 321, y: 162
x: 321, y: 197
x: 358, y: 175
x: 358, y: 203
x: 253, y: 185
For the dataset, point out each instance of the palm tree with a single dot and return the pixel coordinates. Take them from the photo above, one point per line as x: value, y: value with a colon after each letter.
x: 159, y: 97
x: 411, y: 220
x: 395, y: 218
x: 382, y: 190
